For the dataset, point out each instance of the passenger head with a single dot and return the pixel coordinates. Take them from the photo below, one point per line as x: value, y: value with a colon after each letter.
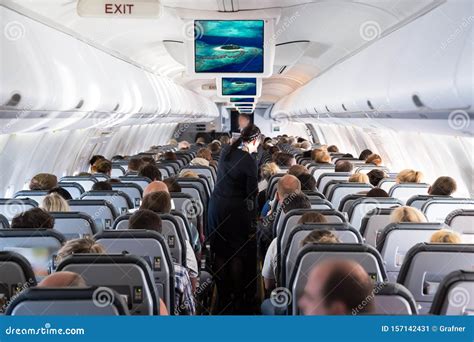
x: 409, y: 176
x: 188, y: 174
x: 134, y: 164
x: 297, y: 170
x: 33, y: 218
x: 268, y: 170
x: 244, y: 121
x: 224, y: 139
x: 377, y: 192
x: 319, y: 236
x: 169, y: 156
x: 322, y: 157
x: 443, y: 186
x: 359, y: 177
x: 63, y: 279
x: 295, y: 201
x: 365, y: 154
x: 61, y: 192
x: 94, y: 159
x: 155, y: 187
x: 145, y: 219
x: 183, y: 145
x: 200, y: 141
x: 407, y: 214
x: 204, y: 153
x: 151, y: 172
x: 102, y: 186
x: 337, y: 287
x: 446, y: 236
x: 283, y: 159
x: 286, y: 185
x: 374, y: 159
x: 172, y: 184
x: 54, y: 202
x: 159, y: 202
x: 198, y: 161
x: 43, y: 181
x: 333, y: 149
x: 305, y: 145
x: 103, y: 166
x: 343, y: 166
x: 376, y: 175
x: 85, y: 245
x: 215, y: 147
x: 308, y: 183
x: 312, y: 217
x: 147, y: 160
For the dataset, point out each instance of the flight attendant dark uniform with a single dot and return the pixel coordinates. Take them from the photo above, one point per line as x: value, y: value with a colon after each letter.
x: 231, y: 216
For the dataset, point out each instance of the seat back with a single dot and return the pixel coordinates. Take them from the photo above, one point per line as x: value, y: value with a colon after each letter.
x: 417, y: 201
x: 272, y: 183
x: 165, y: 171
x: 454, y: 296
x: 437, y: 209
x: 206, y: 171
x: 396, y: 240
x: 346, y: 203
x: 425, y: 265
x: 185, y: 204
x: 118, y: 170
x: 363, y: 205
x: 313, y: 194
x: 367, y: 168
x: 406, y: 190
x: 102, y: 212
x: 317, y: 170
x: 387, y: 183
x: 325, y: 178
x: 4, y: 222
x: 129, y: 275
x: 74, y: 189
x: 311, y: 255
x: 149, y: 245
x: 341, y: 190
x: 101, y: 177
x: 68, y: 302
x: 462, y: 221
x: 373, y: 223
x: 10, y: 207
x: 285, y: 222
x: 74, y: 225
x: 16, y: 274
x: 393, y: 299
x: 36, y: 195
x: 133, y: 191
x: 140, y: 181
x: 118, y: 199
x: 287, y: 258
x: 85, y: 181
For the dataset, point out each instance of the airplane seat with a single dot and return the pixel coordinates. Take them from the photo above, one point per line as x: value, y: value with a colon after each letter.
x: 454, y: 296
x: 373, y: 223
x: 118, y: 170
x: 346, y: 202
x: 129, y: 275
x: 387, y: 183
x: 393, y: 299
x: 396, y: 239
x: 367, y: 168
x: 425, y: 265
x: 206, y: 171
x: 101, y: 177
x: 118, y: 199
x: 325, y: 178
x: 361, y: 206
x: 10, y: 207
x: 272, y: 184
x: 290, y: 248
x: 36, y: 195
x: 368, y: 257
x: 404, y: 191
x: 133, y: 190
x: 4, y: 224
x: 322, y: 204
x: 341, y: 190
x: 74, y: 225
x: 313, y: 194
x: 102, y: 212
x: 152, y: 247
x: 85, y: 181
x: 185, y: 204
x: 462, y: 221
x: 417, y: 201
x: 141, y: 181
x: 437, y: 209
x: 91, y: 301
x: 165, y: 172
x: 16, y: 274
x: 74, y: 189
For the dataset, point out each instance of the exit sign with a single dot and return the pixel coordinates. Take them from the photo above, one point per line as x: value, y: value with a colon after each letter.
x: 119, y: 8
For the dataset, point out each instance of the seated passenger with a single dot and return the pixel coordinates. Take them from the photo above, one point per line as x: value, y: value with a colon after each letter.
x: 337, y: 287
x: 61, y: 192
x: 333, y: 149
x: 102, y: 186
x: 343, y: 166
x: 365, y: 154
x: 188, y: 174
x: 183, y: 145
x: 312, y: 217
x: 33, y: 218
x: 267, y: 171
x: 103, y: 166
x: 409, y: 176
x: 359, y: 177
x: 320, y: 156
x: 377, y: 192
x: 93, y: 160
x: 297, y: 170
x: 374, y: 159
x: 63, y: 279
x: 43, y: 181
x: 283, y: 159
x: 308, y: 183
x: 286, y: 185
x: 305, y: 145
x: 320, y: 236
x: 54, y: 202
x: 376, y: 175
x: 134, y: 165
x: 172, y: 184
x: 171, y: 156
x: 407, y: 214
x: 446, y: 236
x: 215, y: 147
x: 224, y: 139
x: 151, y: 172
x: 154, y: 187
x: 148, y: 161
x: 443, y: 186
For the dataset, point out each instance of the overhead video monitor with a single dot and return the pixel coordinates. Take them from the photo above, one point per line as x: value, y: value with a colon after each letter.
x: 242, y: 86
x: 242, y: 99
x: 231, y: 48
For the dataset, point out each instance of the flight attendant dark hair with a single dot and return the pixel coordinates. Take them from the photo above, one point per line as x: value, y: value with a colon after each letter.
x: 248, y: 134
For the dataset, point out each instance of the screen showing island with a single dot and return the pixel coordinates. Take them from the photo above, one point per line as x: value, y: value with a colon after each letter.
x: 242, y: 99
x: 239, y: 86
x: 228, y: 46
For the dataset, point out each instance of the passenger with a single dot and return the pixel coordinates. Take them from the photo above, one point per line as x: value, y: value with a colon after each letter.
x: 215, y: 147
x: 184, y: 299
x: 244, y: 121
x: 102, y: 186
x: 305, y: 145
x: 103, y: 166
x: 376, y: 175
x: 63, y: 279
x: 312, y: 217
x: 446, y: 236
x: 225, y: 140
x: 267, y: 171
x: 43, y: 181
x: 407, y: 214
x: 134, y: 165
x: 283, y: 159
x: 154, y: 187
x: 61, y: 192
x: 54, y: 202
x: 308, y: 183
x: 321, y: 157
x: 333, y: 149
x: 151, y: 172
x: 409, y: 176
x: 33, y: 218
x: 337, y: 287
x: 148, y: 161
x: 93, y: 160
x: 170, y: 156
x: 173, y: 142
x: 443, y: 186
x: 297, y: 170
x: 231, y: 214
x: 377, y: 192
x: 359, y: 177
x: 188, y: 174
x: 365, y: 154
x: 374, y: 159
x: 319, y: 236
x: 343, y: 166
x: 200, y: 141
x: 172, y: 184
x: 286, y: 185
x: 183, y: 145
x: 203, y: 158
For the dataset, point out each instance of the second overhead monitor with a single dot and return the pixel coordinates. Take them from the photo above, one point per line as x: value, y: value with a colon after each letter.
x: 230, y: 87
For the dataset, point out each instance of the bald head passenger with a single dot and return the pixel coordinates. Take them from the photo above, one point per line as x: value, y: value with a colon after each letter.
x: 155, y: 187
x: 288, y: 184
x: 63, y: 279
x: 337, y: 287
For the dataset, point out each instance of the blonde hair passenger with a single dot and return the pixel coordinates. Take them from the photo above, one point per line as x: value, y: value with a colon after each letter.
x: 409, y: 176
x: 54, y: 202
x: 359, y: 178
x: 407, y: 214
x: 446, y: 236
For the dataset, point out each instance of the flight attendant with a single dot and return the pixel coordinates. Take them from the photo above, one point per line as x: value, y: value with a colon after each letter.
x: 230, y: 219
